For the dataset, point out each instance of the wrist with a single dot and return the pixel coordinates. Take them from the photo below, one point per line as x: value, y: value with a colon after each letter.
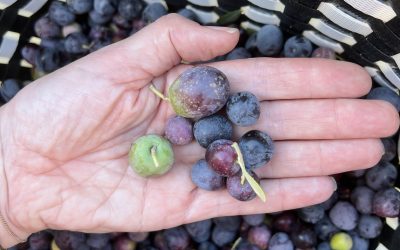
x: 10, y: 235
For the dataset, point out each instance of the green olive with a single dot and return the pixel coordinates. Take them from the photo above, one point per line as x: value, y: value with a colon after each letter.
x: 341, y: 241
x: 151, y: 155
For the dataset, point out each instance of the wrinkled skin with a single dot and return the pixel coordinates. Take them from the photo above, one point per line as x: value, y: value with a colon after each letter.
x: 65, y: 138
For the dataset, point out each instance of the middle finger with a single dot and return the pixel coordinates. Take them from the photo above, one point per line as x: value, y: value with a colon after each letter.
x: 325, y: 119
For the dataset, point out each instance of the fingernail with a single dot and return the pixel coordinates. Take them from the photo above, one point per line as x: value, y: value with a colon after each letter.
x: 226, y: 29
x: 334, y: 183
x: 383, y: 150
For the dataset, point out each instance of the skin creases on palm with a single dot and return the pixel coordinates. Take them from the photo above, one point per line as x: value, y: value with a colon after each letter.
x: 82, y: 163
x: 77, y: 146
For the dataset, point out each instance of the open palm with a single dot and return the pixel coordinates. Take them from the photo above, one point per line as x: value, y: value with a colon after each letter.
x: 65, y: 137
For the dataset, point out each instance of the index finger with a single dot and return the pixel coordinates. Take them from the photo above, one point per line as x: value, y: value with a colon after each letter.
x: 299, y: 78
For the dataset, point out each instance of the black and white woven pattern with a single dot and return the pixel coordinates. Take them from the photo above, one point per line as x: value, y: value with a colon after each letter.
x: 16, y: 29
x: 16, y: 19
x: 363, y: 31
x: 366, y: 32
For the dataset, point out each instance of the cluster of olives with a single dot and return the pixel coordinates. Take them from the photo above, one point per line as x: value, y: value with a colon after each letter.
x: 200, y: 93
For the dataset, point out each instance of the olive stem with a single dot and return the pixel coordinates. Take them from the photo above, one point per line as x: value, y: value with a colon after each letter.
x: 158, y: 93
x: 240, y: 160
x: 245, y: 175
x: 185, y: 62
x: 236, y: 243
x: 154, y: 156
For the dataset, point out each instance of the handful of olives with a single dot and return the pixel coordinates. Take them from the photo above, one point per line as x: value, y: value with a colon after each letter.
x: 200, y: 93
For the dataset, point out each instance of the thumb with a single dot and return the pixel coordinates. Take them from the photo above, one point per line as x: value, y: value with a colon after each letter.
x: 160, y: 46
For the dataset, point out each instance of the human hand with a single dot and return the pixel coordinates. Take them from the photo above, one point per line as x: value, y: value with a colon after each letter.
x: 66, y: 136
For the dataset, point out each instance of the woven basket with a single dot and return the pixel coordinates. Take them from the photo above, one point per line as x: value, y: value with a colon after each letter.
x: 366, y: 32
